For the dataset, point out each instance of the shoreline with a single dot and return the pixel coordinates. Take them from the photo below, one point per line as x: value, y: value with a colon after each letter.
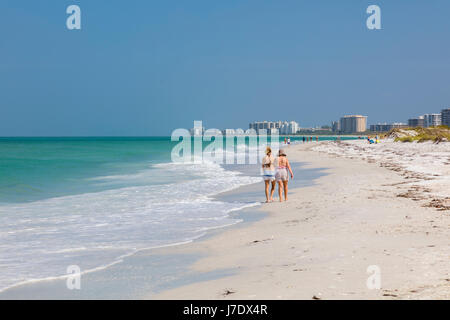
x: 323, y: 242
x: 318, y: 245
x: 53, y: 287
x: 174, y: 257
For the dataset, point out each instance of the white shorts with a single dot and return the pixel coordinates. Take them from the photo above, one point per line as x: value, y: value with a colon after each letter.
x: 269, y: 175
x: 282, y: 175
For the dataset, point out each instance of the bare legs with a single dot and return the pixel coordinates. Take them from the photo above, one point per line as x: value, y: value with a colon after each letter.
x: 280, y: 183
x: 267, y: 183
x: 273, y: 190
x: 283, y: 185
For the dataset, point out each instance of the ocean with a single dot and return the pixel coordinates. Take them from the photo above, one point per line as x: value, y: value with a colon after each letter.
x: 90, y: 202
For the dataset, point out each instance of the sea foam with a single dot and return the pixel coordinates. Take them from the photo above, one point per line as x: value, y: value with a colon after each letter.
x: 174, y: 204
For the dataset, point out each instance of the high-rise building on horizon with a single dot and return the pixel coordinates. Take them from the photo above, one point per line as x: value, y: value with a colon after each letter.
x: 353, y: 124
x: 292, y: 127
x: 272, y: 127
x: 385, y: 127
x: 445, y: 117
x: 432, y: 120
x: 416, y: 122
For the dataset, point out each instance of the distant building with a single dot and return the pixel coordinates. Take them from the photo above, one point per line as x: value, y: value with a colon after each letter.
x: 232, y: 132
x: 416, y: 122
x: 385, y: 127
x: 198, y: 129
x: 293, y: 127
x: 335, y: 126
x: 432, y: 120
x: 290, y: 127
x: 278, y: 124
x: 445, y: 117
x: 260, y: 126
x: 398, y: 125
x: 274, y: 131
x: 353, y: 124
x: 274, y: 127
x: 284, y: 128
x: 229, y: 132
x: 239, y: 132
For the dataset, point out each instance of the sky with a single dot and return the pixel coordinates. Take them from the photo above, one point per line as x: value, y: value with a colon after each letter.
x: 144, y: 67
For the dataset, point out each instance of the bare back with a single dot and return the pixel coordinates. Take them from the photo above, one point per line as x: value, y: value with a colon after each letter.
x: 282, y: 162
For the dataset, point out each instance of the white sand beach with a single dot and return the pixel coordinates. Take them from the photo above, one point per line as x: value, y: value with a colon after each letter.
x: 384, y: 205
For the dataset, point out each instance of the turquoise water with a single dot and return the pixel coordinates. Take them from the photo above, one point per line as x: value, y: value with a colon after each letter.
x: 39, y: 168
x: 92, y: 201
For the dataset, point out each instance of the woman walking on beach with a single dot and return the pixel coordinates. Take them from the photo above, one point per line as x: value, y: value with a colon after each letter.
x: 282, y: 174
x: 269, y: 173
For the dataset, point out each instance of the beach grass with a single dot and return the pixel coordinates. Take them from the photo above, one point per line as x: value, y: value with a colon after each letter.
x: 419, y: 134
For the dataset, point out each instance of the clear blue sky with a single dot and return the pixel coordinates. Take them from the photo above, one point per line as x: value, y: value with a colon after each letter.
x: 145, y: 67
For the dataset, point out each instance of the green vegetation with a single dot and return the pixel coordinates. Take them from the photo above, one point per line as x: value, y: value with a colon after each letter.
x: 435, y: 134
x: 404, y: 139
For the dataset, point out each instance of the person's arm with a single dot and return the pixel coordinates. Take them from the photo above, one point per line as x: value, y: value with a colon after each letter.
x: 290, y: 170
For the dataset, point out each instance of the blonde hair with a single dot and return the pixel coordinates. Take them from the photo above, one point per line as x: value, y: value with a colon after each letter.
x: 268, y: 150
